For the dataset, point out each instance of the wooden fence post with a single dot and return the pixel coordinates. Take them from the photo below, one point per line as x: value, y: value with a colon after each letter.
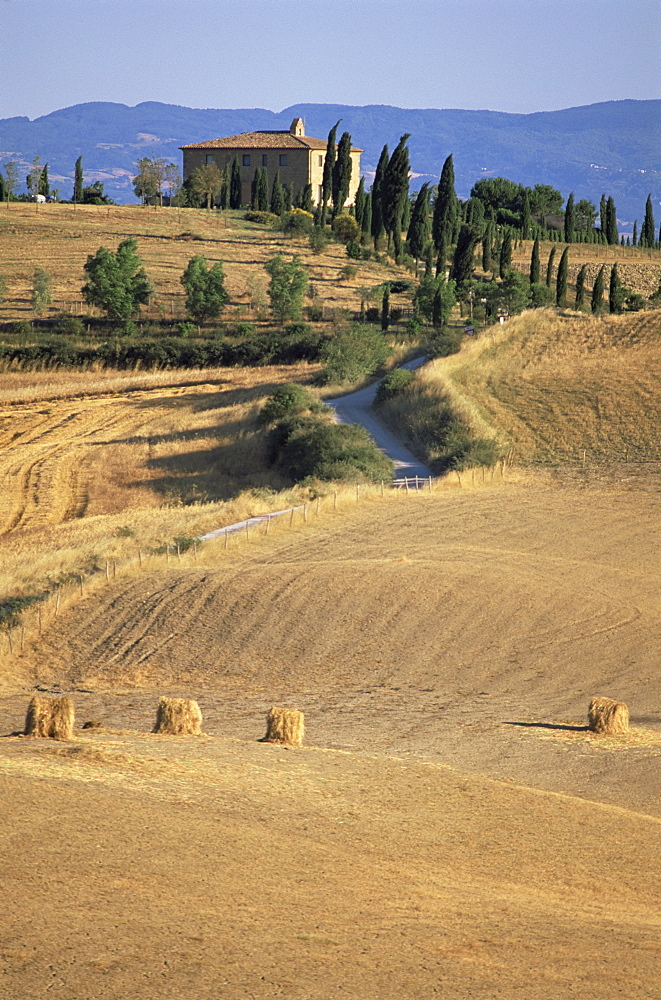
x: 430, y: 489
x: 114, y: 569
x: 195, y: 549
x: 11, y: 643
x: 318, y: 504
x: 305, y: 512
x: 39, y: 619
x: 247, y: 531
x: 382, y: 488
x: 178, y: 552
x: 81, y: 585
x: 268, y: 524
x: 107, y: 570
x: 140, y: 558
x: 334, y: 499
x: 226, y: 538
x: 291, y: 517
x: 167, y: 555
x: 57, y: 602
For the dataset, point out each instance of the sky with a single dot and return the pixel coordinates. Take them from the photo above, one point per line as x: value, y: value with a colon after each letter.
x: 503, y: 55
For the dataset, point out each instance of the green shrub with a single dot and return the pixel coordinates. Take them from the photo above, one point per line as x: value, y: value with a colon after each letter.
x: 345, y: 228
x: 265, y: 218
x: 287, y: 400
x: 441, y: 343
x: 313, y: 449
x: 71, y: 326
x: 319, y: 240
x: 315, y: 313
x: 394, y: 383
x: 355, y: 353
x: 296, y: 223
x: 347, y: 272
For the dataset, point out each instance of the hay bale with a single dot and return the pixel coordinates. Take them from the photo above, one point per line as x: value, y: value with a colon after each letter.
x: 178, y: 717
x: 285, y: 725
x: 50, y: 718
x: 608, y: 716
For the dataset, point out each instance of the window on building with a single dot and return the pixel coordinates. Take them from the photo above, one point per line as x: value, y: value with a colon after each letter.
x: 321, y: 161
x: 209, y: 158
x: 282, y: 160
x: 246, y: 159
x: 265, y: 160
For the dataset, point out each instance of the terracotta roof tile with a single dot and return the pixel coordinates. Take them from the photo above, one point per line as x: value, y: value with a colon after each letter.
x: 263, y: 140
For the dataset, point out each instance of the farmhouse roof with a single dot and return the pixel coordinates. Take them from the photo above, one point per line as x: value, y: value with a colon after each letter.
x: 293, y: 138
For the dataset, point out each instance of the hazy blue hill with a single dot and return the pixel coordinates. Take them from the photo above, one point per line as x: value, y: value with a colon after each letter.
x: 611, y: 147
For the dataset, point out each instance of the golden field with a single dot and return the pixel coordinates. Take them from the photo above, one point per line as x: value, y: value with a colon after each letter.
x: 450, y: 827
x: 59, y: 238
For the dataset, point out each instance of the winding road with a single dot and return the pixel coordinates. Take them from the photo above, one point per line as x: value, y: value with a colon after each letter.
x: 356, y: 408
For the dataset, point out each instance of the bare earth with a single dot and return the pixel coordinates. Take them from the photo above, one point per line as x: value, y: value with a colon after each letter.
x: 450, y: 830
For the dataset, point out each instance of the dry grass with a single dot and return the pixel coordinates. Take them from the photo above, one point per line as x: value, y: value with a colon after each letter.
x: 178, y: 717
x: 559, y: 388
x: 50, y: 718
x: 59, y: 238
x: 285, y: 725
x: 608, y: 716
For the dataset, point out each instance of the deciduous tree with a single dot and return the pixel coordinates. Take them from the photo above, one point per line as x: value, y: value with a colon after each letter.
x: 117, y: 282
x: 206, y: 294
x: 287, y: 287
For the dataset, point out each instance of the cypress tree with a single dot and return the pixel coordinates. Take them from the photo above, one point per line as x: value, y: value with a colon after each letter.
x: 341, y: 173
x: 561, y: 279
x: 418, y: 231
x: 634, y: 238
x: 486, y: 247
x: 378, y: 194
x: 263, y: 191
x: 306, y: 198
x: 602, y: 215
x: 611, y: 222
x: 445, y: 206
x: 78, y: 181
x: 235, y: 184
x: 534, y: 263
x: 549, y: 268
x: 597, y: 300
x: 44, y: 187
x: 224, y: 193
x: 277, y: 196
x: 442, y: 253
x: 570, y: 219
x: 286, y: 197
x: 615, y: 292
x: 367, y: 217
x: 580, y: 287
x: 429, y: 259
x: 327, y: 181
x: 505, y: 260
x: 647, y: 228
x: 462, y: 265
x: 526, y: 217
x: 396, y: 192
x: 253, y: 189
x: 385, y: 309
x: 359, y: 202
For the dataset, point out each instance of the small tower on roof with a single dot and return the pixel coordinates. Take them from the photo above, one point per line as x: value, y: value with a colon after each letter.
x: 297, y: 127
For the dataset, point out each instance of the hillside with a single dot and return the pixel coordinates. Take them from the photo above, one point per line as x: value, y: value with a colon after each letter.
x: 554, y: 389
x: 608, y: 147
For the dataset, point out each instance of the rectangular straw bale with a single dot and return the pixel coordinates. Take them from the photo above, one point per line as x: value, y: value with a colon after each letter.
x: 608, y: 716
x: 50, y: 718
x: 285, y: 725
x: 178, y: 717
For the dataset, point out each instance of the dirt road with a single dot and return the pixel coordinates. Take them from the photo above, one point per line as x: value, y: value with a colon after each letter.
x: 356, y: 408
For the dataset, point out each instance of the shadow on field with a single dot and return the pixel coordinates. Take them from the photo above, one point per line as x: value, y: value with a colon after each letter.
x: 548, y: 725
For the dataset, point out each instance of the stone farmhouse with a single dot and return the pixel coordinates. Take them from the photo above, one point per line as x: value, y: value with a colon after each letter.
x: 298, y: 157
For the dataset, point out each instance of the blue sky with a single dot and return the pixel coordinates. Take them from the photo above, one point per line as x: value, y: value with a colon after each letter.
x: 504, y: 55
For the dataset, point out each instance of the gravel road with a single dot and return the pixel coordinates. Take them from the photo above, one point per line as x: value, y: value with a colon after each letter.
x: 356, y: 408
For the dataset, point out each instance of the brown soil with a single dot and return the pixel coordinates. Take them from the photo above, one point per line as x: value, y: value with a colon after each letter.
x: 451, y: 830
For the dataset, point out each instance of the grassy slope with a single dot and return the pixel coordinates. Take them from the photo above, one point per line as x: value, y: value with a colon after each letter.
x: 59, y: 239
x: 554, y: 386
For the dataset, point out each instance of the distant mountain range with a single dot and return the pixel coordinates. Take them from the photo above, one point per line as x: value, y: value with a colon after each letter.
x: 610, y: 148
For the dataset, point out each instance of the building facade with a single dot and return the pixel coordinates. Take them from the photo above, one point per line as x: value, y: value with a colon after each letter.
x: 298, y: 157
